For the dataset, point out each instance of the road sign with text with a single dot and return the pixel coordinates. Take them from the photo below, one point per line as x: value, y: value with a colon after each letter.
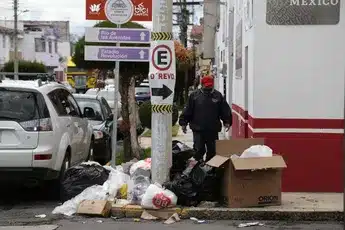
x: 109, y: 53
x: 162, y: 75
x: 114, y: 35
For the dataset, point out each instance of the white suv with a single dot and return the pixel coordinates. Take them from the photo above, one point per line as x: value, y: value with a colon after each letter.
x: 42, y: 131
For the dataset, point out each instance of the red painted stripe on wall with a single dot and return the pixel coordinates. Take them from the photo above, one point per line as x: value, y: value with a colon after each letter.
x: 288, y: 123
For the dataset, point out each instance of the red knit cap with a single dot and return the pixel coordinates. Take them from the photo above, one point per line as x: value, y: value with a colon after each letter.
x: 207, y: 81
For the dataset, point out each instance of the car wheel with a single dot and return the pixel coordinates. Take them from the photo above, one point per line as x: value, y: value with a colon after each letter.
x: 90, y: 156
x: 55, y: 186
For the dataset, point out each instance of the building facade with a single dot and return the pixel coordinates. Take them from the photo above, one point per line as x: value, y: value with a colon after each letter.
x: 47, y: 42
x: 286, y: 84
x: 7, y: 41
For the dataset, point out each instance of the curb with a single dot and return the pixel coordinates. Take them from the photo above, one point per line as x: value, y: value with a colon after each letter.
x: 133, y: 211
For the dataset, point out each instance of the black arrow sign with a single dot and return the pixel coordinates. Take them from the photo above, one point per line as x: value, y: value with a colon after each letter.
x: 161, y: 92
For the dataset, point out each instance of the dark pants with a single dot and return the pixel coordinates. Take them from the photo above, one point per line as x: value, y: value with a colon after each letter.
x: 202, y: 140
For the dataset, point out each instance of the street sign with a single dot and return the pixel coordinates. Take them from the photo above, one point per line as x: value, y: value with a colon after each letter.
x: 119, y: 11
x: 162, y: 76
x: 110, y: 53
x: 114, y: 35
x: 142, y: 10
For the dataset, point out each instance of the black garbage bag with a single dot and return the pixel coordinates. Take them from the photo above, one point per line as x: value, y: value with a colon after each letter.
x: 80, y: 177
x: 184, y: 189
x: 181, y: 153
x: 207, y: 181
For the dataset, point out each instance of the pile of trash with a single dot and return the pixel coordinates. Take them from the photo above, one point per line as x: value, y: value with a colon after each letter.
x: 130, y: 183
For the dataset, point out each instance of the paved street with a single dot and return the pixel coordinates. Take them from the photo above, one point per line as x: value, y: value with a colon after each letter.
x: 92, y: 224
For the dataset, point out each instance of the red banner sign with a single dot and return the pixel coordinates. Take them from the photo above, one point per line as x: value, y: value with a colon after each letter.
x: 142, y: 10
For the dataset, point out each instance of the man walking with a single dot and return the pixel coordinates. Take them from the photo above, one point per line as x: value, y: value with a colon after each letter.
x: 204, y: 110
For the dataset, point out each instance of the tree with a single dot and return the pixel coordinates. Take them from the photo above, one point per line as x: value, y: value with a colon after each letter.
x: 129, y: 73
x: 26, y: 67
x: 184, y: 64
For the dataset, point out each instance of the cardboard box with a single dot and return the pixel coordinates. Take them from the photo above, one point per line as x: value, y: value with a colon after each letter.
x: 94, y: 208
x: 248, y: 182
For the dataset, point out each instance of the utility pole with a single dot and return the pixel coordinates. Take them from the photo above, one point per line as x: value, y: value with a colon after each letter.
x: 15, y: 59
x: 161, y: 122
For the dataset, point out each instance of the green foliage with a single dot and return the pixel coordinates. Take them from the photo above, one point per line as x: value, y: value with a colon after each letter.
x: 145, y: 114
x: 26, y: 67
x: 131, y: 68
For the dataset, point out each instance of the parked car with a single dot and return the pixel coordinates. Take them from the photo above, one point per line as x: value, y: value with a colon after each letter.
x: 97, y: 110
x: 142, y: 94
x: 42, y: 132
x: 108, y: 94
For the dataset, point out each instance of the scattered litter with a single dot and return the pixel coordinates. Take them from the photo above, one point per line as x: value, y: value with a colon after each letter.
x: 114, y: 217
x: 41, y: 216
x: 173, y: 219
x: 84, y: 222
x: 250, y: 224
x: 197, y: 220
x: 99, y: 221
x: 136, y: 220
x: 94, y: 208
x: 147, y: 216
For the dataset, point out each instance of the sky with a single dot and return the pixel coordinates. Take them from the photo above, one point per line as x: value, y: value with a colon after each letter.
x: 72, y: 10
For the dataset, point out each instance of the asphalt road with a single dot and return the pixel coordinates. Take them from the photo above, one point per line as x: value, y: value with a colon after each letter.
x: 92, y: 224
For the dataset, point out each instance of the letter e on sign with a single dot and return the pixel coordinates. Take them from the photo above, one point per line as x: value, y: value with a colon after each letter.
x: 162, y: 57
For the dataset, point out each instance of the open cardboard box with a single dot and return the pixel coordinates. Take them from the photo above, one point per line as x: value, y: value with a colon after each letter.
x: 248, y: 182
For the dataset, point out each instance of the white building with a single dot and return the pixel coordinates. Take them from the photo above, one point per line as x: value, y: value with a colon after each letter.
x: 47, y: 42
x: 286, y: 83
x: 6, y: 40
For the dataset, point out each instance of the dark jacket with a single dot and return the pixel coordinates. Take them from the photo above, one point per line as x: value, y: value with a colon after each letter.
x: 204, y: 110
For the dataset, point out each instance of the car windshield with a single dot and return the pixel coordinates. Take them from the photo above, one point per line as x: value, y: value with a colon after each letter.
x: 94, y: 104
x: 142, y: 90
x: 18, y: 106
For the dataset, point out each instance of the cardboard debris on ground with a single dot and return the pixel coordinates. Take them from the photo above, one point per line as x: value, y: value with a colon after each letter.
x: 173, y: 219
x: 94, y: 208
x: 248, y: 182
x: 250, y: 224
x: 167, y: 215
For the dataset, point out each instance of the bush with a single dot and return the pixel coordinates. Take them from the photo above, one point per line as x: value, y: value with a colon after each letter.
x: 145, y: 114
x: 26, y: 67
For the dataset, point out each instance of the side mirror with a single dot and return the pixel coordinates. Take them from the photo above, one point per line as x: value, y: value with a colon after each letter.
x: 111, y: 117
x: 89, y: 112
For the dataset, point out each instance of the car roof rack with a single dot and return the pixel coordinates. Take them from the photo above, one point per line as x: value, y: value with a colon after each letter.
x: 42, y: 78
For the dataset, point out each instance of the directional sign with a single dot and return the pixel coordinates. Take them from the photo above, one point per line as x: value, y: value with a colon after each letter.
x: 163, y: 92
x: 113, y: 35
x: 162, y: 76
x: 109, y: 53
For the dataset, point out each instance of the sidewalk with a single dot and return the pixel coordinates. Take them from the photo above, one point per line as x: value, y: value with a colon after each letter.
x: 187, y: 138
x: 295, y: 207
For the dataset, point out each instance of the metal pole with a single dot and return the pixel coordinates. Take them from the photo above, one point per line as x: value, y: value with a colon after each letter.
x: 161, y: 122
x: 116, y: 93
x: 15, y: 59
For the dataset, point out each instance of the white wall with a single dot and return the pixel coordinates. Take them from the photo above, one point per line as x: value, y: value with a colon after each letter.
x: 49, y: 59
x: 5, y: 47
x: 298, y: 70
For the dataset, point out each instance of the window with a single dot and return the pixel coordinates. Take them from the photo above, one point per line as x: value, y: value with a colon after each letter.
x: 40, y: 45
x: 107, y: 107
x: 95, y: 105
x: 18, y: 106
x: 4, y: 41
x: 56, y: 46
x: 73, y: 105
x: 50, y: 46
x: 12, y: 42
x: 57, y: 98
